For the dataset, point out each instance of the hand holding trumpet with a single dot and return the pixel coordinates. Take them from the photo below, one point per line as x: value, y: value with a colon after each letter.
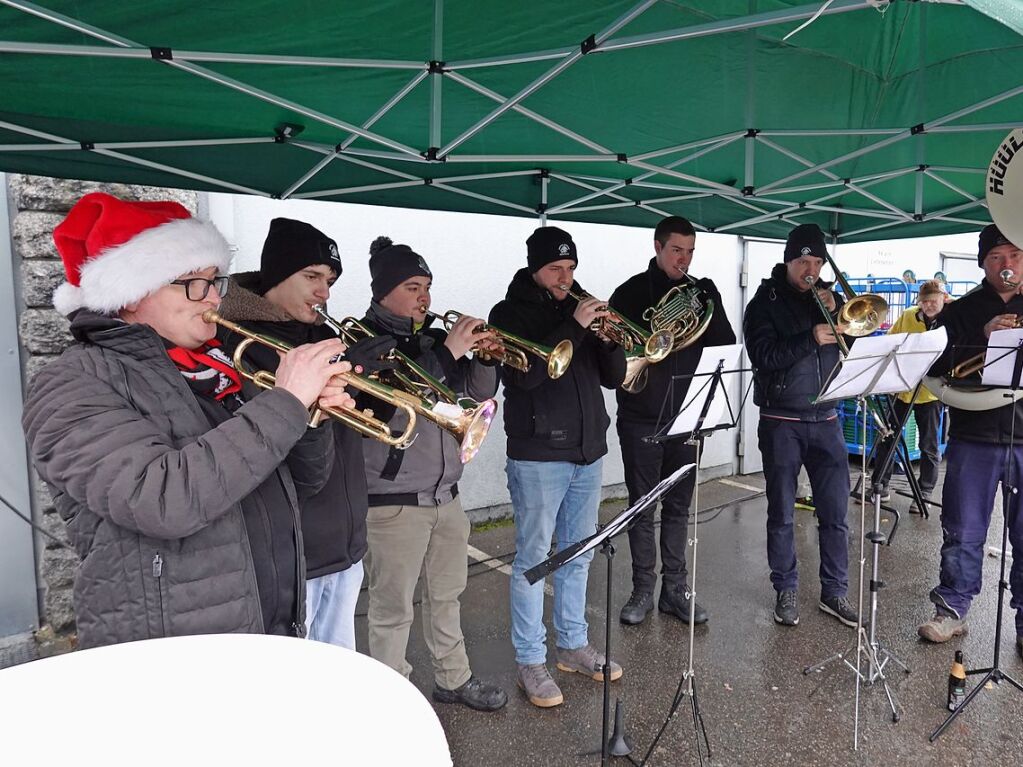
x: 469, y: 334
x: 309, y: 372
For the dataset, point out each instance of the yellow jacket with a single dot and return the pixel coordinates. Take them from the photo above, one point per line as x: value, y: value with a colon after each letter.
x: 911, y: 322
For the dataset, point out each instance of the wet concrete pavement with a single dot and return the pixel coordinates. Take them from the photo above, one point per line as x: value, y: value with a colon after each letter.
x: 758, y: 706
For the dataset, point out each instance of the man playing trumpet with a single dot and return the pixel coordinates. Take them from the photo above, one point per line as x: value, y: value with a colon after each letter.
x: 793, y: 349
x: 166, y: 476
x: 640, y: 414
x: 416, y: 523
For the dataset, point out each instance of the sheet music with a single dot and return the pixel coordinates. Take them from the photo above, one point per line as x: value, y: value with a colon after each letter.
x: 1000, y: 357
x: 685, y: 422
x: 888, y: 364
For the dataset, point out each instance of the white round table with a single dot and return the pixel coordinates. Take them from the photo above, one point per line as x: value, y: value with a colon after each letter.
x: 218, y: 699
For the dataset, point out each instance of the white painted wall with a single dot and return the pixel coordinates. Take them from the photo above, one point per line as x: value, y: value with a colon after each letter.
x: 473, y: 258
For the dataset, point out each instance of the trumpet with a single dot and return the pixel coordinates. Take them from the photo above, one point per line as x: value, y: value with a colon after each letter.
x: 467, y: 420
x: 360, y: 420
x: 514, y: 349
x: 970, y: 366
x: 642, y: 348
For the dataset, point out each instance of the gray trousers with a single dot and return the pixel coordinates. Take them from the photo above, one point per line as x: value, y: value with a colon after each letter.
x: 404, y: 542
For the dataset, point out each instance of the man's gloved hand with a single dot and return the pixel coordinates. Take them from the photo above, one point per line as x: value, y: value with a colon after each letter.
x: 366, y: 355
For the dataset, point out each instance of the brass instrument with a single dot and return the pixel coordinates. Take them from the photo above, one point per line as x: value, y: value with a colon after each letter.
x: 975, y: 363
x: 362, y: 421
x: 685, y: 311
x: 465, y: 419
x: 514, y: 349
x: 642, y: 348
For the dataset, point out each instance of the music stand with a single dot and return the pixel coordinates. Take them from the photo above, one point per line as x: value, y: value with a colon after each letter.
x: 1003, y: 365
x: 877, y: 365
x: 602, y: 538
x: 706, y: 410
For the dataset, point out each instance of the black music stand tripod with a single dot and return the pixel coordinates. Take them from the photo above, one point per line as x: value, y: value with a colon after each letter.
x: 610, y: 745
x: 707, y: 410
x: 994, y: 673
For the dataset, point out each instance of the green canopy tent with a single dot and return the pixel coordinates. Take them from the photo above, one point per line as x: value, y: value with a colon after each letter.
x: 874, y: 119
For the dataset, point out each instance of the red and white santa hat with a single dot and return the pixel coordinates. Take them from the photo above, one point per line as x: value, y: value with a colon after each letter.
x: 117, y: 252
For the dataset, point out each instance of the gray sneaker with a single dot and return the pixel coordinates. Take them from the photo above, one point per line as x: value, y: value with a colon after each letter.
x: 535, y: 680
x: 786, y: 609
x: 586, y: 660
x: 942, y: 627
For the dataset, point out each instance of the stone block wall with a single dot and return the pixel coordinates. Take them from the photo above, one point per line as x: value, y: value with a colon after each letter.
x: 38, y: 204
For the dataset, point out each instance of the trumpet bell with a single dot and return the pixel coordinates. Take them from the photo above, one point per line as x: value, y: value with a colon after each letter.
x: 863, y: 314
x: 473, y: 427
x: 559, y: 359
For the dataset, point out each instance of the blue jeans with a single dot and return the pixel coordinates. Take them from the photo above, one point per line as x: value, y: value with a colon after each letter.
x: 819, y: 446
x: 973, y: 471
x: 330, y: 606
x: 556, y: 499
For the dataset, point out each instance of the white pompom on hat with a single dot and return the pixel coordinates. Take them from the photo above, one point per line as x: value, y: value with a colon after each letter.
x: 116, y: 252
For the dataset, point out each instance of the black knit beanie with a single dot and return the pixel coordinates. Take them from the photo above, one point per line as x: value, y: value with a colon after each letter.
x: 548, y: 244
x: 390, y: 265
x: 805, y: 240
x: 291, y: 246
x: 990, y: 237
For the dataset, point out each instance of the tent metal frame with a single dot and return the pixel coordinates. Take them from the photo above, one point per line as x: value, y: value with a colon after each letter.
x: 769, y: 200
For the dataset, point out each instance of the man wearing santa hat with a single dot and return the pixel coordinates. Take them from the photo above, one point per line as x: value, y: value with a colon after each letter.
x: 179, y: 495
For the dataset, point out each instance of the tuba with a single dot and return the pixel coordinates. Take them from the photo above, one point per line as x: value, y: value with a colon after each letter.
x: 514, y: 349
x: 360, y: 420
x: 465, y: 419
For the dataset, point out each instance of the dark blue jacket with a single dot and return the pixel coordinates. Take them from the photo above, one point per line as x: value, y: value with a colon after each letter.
x: 789, y: 366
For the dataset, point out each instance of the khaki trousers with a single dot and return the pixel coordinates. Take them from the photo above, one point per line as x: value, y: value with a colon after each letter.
x: 404, y: 542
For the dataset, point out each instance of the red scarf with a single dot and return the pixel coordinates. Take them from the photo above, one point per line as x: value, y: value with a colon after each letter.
x: 207, y: 369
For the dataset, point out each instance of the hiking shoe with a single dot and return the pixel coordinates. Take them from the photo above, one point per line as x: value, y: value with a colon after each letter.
x: 942, y: 627
x: 674, y: 600
x: 805, y: 503
x: 640, y: 605
x: 586, y: 660
x: 476, y: 694
x: 841, y: 608
x: 914, y: 507
x: 786, y: 609
x: 886, y: 494
x: 535, y: 680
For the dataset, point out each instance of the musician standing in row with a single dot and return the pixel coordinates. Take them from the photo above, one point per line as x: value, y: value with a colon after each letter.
x: 793, y: 350
x: 556, y: 441
x: 985, y: 448
x: 178, y: 495
x: 298, y: 266
x: 416, y: 523
x: 644, y: 412
x: 926, y: 407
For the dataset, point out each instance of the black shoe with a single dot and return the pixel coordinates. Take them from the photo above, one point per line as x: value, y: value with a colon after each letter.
x: 840, y: 608
x: 476, y: 694
x: 786, y: 609
x: 640, y: 605
x: 675, y: 601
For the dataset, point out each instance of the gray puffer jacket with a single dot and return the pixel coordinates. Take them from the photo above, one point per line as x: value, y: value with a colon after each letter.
x: 154, y: 498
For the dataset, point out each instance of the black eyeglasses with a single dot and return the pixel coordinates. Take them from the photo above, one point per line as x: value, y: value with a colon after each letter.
x: 197, y: 288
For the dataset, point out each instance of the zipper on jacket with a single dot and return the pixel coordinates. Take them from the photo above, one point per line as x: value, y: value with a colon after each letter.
x: 158, y: 575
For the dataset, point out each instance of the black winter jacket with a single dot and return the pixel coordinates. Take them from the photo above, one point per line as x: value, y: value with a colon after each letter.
x: 160, y: 506
x: 563, y: 419
x: 964, y: 320
x: 334, y: 519
x: 664, y: 393
x: 789, y: 366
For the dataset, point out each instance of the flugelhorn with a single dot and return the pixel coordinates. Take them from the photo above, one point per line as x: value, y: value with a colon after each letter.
x: 467, y: 420
x: 361, y: 421
x: 514, y: 350
x: 642, y: 348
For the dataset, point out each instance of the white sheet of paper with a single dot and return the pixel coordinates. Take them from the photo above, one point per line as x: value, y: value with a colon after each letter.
x: 699, y: 387
x: 998, y: 362
x: 868, y: 358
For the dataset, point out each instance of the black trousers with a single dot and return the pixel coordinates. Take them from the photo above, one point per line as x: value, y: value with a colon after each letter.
x: 646, y: 464
x: 928, y: 415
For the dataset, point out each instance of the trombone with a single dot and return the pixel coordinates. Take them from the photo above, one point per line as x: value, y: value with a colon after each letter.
x: 467, y: 420
x: 360, y: 420
x: 862, y: 315
x: 642, y: 348
x: 514, y: 349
